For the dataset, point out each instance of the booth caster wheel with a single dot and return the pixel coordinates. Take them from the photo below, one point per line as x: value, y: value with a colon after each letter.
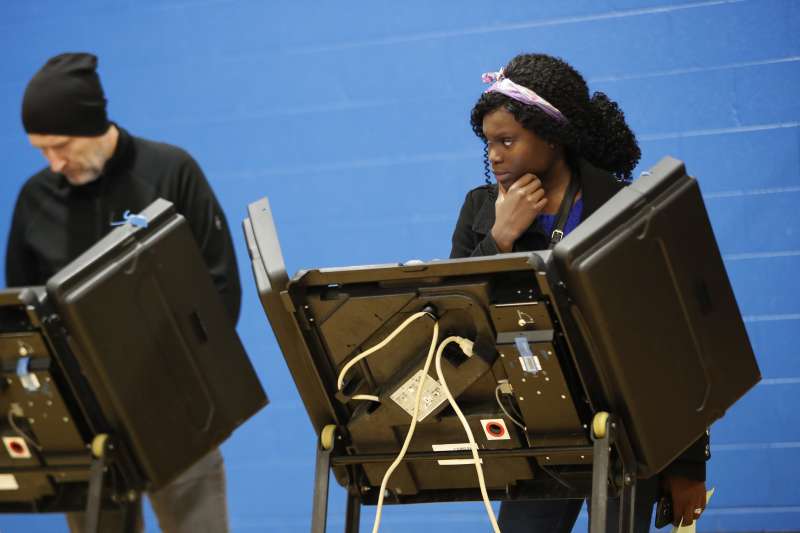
x: 99, y: 445
x: 599, y: 424
x: 327, y: 436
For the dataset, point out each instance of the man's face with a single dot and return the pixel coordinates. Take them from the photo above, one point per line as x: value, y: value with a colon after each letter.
x: 513, y: 150
x: 79, y: 159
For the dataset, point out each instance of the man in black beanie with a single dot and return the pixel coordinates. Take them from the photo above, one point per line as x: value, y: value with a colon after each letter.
x: 64, y: 114
x: 98, y: 171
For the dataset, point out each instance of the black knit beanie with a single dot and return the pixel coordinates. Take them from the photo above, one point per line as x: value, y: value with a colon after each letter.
x: 65, y: 98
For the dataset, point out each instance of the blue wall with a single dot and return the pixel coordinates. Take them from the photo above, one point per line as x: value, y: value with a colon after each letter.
x: 353, y: 118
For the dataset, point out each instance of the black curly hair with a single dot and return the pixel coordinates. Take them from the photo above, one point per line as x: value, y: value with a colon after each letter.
x: 595, y: 128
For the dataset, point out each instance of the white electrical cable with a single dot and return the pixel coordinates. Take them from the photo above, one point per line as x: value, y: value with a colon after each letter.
x: 27, y: 438
x: 384, y: 342
x: 473, y: 445
x: 513, y: 419
x: 407, y: 441
x: 370, y: 397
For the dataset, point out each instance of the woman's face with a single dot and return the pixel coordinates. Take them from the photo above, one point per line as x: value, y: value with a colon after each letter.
x: 513, y: 150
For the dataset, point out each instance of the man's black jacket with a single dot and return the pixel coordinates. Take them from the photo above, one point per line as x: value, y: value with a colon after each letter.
x: 54, y: 222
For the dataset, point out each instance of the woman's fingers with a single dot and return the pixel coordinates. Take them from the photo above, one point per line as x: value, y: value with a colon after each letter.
x: 535, y: 196
x: 527, y: 183
x: 687, y: 510
x: 522, y: 182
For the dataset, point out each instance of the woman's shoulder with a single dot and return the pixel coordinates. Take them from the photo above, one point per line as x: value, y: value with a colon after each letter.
x: 477, y: 212
x: 481, y: 193
x: 598, y: 186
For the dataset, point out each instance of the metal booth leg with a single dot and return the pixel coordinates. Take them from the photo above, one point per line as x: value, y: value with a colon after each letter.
x: 627, y: 503
x: 601, y: 435
x: 319, y: 511
x: 604, y: 434
x: 353, y: 518
x: 102, y: 448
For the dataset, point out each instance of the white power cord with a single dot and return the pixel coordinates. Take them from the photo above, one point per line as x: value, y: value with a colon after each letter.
x: 497, y: 391
x: 384, y: 342
x: 16, y: 410
x: 466, y: 346
x: 368, y: 397
x: 407, y: 441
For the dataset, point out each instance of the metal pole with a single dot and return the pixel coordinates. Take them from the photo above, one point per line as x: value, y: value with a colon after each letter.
x: 627, y: 503
x: 95, y: 492
x: 600, y: 467
x: 353, y: 516
x: 319, y: 512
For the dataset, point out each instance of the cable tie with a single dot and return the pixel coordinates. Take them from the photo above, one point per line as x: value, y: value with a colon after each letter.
x: 134, y: 219
x: 29, y: 381
x: 529, y: 362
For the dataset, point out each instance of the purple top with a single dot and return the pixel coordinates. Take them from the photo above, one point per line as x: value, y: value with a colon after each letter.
x: 546, y: 222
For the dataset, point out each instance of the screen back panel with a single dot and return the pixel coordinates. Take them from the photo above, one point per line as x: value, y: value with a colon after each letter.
x: 652, y: 301
x: 269, y: 272
x: 156, y: 343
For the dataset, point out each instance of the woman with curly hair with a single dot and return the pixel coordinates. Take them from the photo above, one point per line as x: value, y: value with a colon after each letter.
x: 541, y: 130
x: 557, y: 155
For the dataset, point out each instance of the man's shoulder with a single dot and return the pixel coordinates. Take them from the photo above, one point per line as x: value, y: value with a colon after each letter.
x: 164, y: 167
x: 44, y: 180
x: 160, y: 151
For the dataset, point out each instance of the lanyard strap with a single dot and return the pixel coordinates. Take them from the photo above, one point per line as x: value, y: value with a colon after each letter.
x: 563, y: 212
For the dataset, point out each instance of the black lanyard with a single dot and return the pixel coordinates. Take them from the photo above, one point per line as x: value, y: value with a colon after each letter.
x: 563, y: 211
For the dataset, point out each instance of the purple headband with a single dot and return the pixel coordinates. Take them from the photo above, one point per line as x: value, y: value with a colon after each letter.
x: 501, y: 84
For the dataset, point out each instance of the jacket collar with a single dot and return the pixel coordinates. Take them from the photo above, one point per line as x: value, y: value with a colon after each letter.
x: 122, y: 154
x: 484, y: 218
x: 114, y: 166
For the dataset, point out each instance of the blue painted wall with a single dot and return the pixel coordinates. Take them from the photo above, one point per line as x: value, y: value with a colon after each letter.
x: 353, y: 118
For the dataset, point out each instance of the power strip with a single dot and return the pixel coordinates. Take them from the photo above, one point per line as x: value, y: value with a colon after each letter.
x: 432, y: 395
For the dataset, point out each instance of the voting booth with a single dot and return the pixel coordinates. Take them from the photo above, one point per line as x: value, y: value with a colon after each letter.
x: 119, y: 374
x: 572, y: 373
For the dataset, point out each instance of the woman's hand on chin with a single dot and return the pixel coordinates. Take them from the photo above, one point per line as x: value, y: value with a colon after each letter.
x: 515, y: 210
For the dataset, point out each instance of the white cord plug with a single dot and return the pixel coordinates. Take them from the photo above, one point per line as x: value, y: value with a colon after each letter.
x: 16, y: 410
x: 466, y: 345
x: 505, y: 387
